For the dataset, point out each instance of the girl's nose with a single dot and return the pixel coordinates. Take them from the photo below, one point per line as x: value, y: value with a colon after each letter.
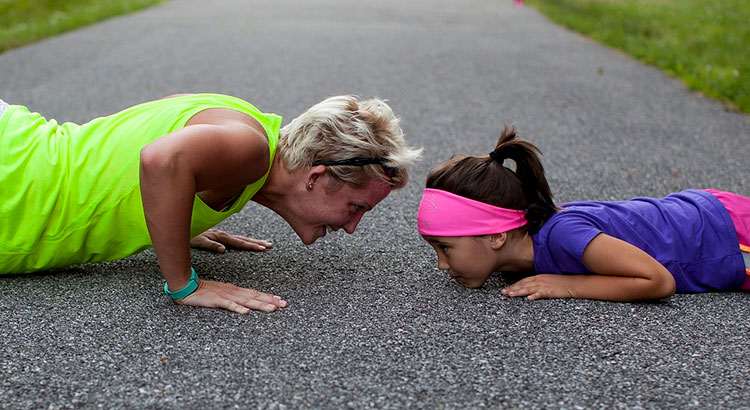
x: 442, y: 263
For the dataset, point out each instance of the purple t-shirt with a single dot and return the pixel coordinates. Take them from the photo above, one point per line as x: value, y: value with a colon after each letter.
x: 690, y: 233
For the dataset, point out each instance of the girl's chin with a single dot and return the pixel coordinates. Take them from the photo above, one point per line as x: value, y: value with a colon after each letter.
x: 468, y: 283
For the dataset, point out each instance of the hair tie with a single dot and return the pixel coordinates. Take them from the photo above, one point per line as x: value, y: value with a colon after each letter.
x: 496, y: 158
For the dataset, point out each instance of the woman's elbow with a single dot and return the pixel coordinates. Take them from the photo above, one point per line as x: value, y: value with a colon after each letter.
x: 148, y: 158
x: 153, y: 160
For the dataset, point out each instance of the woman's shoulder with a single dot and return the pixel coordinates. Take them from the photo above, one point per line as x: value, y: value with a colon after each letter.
x: 232, y: 109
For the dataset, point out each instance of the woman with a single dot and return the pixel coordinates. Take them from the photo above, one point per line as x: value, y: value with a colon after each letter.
x: 163, y: 172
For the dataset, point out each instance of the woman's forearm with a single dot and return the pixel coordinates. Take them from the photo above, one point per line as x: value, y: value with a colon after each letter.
x: 168, y: 190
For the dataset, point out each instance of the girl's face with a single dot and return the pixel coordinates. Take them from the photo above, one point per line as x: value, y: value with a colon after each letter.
x: 468, y: 259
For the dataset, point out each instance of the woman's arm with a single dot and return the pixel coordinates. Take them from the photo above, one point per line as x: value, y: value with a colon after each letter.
x: 172, y: 169
x: 623, y: 273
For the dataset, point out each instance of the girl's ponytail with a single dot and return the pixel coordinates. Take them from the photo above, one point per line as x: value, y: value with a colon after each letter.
x: 530, y: 171
x: 488, y: 180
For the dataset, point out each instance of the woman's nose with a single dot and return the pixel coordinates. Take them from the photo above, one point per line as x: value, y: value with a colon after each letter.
x: 350, y: 226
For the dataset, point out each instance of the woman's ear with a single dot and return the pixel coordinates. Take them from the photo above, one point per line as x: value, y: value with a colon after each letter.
x: 313, y: 174
x: 498, y: 240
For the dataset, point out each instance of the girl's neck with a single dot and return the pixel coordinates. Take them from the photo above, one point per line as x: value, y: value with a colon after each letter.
x: 517, y: 255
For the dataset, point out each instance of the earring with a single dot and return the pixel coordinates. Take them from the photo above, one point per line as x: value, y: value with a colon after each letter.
x: 309, y: 186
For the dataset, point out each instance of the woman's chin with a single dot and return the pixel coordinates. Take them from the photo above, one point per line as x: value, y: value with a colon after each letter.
x: 308, y: 241
x: 311, y: 237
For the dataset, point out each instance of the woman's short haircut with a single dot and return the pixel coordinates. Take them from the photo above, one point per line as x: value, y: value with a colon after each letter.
x: 342, y: 128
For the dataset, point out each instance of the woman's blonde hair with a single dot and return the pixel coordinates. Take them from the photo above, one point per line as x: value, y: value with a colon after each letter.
x: 343, y: 128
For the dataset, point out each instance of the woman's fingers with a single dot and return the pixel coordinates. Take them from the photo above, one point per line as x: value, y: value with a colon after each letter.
x: 233, y: 307
x: 233, y: 298
x: 203, y: 242
x: 256, y: 304
x: 242, y: 242
x: 257, y: 300
x: 217, y: 241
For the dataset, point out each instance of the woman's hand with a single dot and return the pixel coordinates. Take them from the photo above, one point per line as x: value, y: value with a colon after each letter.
x: 231, y: 297
x: 217, y: 241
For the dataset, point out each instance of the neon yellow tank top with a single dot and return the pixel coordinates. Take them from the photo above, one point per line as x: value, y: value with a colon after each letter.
x: 70, y: 193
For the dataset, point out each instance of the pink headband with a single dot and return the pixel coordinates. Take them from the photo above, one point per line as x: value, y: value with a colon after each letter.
x: 442, y: 213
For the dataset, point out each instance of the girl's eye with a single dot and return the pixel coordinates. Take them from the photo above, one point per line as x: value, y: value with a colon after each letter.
x: 358, y: 208
x: 443, y: 248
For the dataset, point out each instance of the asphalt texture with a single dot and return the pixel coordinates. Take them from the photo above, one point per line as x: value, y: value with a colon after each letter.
x: 371, y: 322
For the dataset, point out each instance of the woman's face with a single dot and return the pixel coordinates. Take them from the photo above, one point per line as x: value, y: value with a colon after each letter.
x: 333, y: 205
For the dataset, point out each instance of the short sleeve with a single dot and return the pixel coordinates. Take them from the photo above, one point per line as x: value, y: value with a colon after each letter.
x: 562, y: 243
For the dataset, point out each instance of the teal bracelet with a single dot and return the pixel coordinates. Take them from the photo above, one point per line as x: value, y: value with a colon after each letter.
x: 191, y: 286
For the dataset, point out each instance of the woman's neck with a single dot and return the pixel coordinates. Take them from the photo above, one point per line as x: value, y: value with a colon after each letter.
x: 279, y: 187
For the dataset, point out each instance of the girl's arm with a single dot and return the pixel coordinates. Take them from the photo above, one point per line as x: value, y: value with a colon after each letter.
x: 623, y: 273
x: 172, y: 170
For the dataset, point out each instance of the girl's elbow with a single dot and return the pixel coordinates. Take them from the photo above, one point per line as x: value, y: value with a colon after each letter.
x: 666, y: 286
x: 658, y: 285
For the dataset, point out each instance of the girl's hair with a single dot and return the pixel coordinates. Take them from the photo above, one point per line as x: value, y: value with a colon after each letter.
x: 344, y: 127
x: 487, y: 180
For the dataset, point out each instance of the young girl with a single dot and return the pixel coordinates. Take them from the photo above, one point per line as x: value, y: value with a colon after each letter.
x: 482, y: 217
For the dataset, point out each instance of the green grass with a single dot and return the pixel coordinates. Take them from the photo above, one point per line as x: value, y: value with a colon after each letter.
x: 26, y: 21
x: 704, y: 43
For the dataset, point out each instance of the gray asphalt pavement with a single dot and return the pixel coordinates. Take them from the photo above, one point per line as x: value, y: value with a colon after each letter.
x: 372, y: 323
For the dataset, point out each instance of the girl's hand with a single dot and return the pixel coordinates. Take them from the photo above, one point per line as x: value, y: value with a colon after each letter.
x: 217, y: 241
x: 544, y: 286
x: 227, y: 296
